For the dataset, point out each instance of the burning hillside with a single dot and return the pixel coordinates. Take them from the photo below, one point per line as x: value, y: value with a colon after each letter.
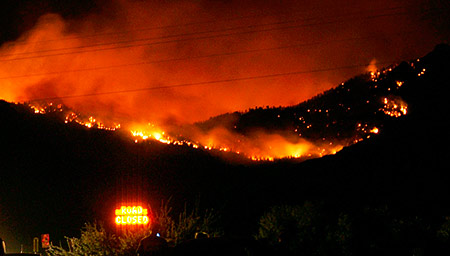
x: 157, y: 72
x: 351, y: 112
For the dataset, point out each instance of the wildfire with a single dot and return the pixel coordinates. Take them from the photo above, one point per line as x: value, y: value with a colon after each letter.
x: 91, y: 122
x: 70, y: 116
x: 270, y: 148
x: 152, y: 132
x: 261, y: 147
x: 115, y: 70
x: 366, y: 128
x: 47, y: 108
x: 394, y: 107
x: 257, y: 147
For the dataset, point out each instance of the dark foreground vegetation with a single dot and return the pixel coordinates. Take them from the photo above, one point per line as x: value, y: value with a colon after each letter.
x: 308, y: 229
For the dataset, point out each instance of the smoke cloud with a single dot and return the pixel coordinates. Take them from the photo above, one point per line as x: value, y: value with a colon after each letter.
x: 130, y: 45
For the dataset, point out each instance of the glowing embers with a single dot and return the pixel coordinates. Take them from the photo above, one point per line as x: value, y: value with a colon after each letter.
x: 422, y: 72
x: 375, y: 130
x: 366, y: 128
x: 70, y: 116
x: 399, y: 83
x: 394, y: 107
x: 91, y: 122
x: 378, y: 75
x: 45, y: 108
x: 132, y: 215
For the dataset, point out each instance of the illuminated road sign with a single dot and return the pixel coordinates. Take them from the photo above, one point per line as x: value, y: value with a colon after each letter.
x: 132, y: 215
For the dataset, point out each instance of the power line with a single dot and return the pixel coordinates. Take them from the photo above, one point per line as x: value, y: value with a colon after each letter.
x: 161, y: 37
x: 199, y: 23
x: 198, y: 33
x: 195, y: 57
x: 189, y: 39
x: 207, y: 82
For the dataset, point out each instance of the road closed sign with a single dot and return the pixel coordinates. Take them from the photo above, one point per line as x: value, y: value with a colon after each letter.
x: 131, y: 215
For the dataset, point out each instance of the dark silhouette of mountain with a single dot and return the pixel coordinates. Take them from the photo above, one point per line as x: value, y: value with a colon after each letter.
x: 348, y: 112
x: 411, y: 150
x: 55, y: 176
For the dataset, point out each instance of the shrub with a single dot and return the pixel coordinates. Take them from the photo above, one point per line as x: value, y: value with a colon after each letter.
x: 95, y: 240
x: 186, y: 225
x: 444, y: 231
x: 290, y: 227
x: 306, y: 229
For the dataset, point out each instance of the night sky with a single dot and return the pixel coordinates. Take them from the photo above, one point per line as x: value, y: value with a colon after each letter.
x: 209, y: 57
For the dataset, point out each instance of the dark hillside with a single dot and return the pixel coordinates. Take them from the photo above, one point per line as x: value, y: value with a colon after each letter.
x: 406, y: 163
x: 348, y: 112
x: 403, y: 169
